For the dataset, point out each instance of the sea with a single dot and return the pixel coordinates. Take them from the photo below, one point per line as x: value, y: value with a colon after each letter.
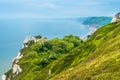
x: 14, y: 31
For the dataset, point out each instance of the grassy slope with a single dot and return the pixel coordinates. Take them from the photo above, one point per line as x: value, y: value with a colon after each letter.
x: 38, y: 56
x: 97, y: 59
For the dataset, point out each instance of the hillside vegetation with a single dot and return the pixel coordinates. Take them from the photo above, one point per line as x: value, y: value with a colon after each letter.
x: 38, y: 55
x: 97, y: 58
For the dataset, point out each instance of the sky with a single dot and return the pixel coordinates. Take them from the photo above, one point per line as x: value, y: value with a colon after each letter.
x: 57, y: 8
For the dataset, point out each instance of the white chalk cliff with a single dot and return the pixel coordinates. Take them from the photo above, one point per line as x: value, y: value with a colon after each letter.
x: 116, y: 18
x: 27, y: 39
x: 3, y: 77
x: 92, y: 31
x: 16, y: 69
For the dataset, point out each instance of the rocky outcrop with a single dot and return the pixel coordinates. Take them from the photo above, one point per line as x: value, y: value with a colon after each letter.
x: 15, y: 68
x: 93, y: 29
x: 26, y: 39
x: 3, y: 77
x: 36, y: 38
x: 17, y: 58
x: 116, y: 18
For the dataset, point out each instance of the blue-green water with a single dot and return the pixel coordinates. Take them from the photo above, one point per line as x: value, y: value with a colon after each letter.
x: 13, y: 32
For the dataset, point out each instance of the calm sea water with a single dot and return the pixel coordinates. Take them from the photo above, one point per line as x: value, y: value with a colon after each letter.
x: 13, y: 32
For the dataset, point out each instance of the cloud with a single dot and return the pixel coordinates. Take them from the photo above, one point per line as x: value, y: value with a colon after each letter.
x: 93, y: 2
x: 57, y: 8
x: 42, y: 5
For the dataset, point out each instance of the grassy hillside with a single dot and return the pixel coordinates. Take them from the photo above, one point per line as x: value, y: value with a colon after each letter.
x: 96, y: 59
x: 38, y: 55
x: 70, y: 58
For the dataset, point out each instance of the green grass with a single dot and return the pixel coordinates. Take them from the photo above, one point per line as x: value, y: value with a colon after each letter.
x: 39, y: 56
x: 100, y: 60
x: 70, y: 58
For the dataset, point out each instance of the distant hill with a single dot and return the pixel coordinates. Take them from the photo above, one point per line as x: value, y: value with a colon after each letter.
x: 97, y: 21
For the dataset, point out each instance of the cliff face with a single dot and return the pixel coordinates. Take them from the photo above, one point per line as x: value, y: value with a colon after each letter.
x: 116, y: 18
x: 15, y: 70
x: 15, y: 67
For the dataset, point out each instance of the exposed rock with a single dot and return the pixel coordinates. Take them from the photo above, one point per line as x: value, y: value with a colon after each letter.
x: 36, y: 39
x: 116, y: 18
x: 93, y: 29
x: 25, y: 46
x: 16, y: 59
x: 3, y: 77
x: 26, y: 39
x: 16, y: 69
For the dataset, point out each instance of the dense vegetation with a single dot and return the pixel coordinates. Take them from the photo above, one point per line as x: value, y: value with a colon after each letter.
x: 70, y: 58
x: 38, y: 55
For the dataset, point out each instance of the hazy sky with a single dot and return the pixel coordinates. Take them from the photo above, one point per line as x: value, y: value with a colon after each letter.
x: 57, y: 8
